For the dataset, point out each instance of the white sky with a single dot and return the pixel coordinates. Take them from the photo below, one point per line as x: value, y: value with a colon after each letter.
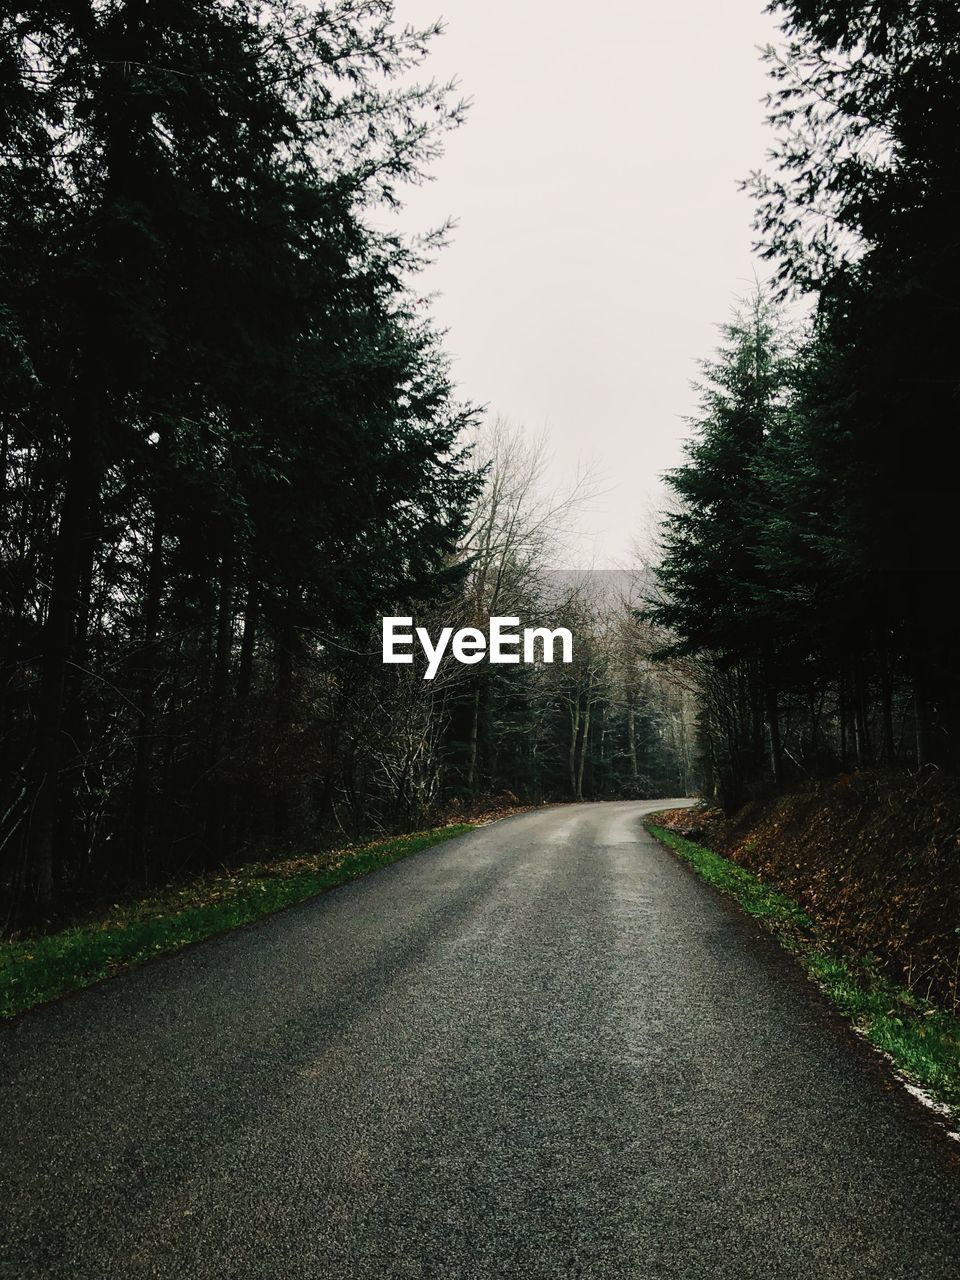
x: 601, y: 236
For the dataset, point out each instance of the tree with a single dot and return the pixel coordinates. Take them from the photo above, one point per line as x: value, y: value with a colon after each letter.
x: 714, y: 589
x: 225, y: 407
x: 860, y: 213
x: 517, y: 526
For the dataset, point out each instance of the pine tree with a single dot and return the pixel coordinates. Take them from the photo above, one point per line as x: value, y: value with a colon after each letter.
x: 226, y: 413
x: 860, y: 212
x: 714, y: 588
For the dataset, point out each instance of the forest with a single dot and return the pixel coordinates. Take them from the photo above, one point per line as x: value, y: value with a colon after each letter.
x: 334, y: 943
x: 229, y: 443
x: 809, y: 558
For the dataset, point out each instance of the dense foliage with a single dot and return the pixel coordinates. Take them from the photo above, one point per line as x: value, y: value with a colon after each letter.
x: 226, y: 430
x: 811, y: 563
x: 228, y: 442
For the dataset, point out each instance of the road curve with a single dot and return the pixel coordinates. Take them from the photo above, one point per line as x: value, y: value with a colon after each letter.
x: 543, y: 1049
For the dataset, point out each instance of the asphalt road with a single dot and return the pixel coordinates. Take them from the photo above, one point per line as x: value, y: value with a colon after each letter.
x: 543, y: 1049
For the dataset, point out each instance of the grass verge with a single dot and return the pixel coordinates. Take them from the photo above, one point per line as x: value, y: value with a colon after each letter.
x: 40, y: 969
x: 922, y: 1040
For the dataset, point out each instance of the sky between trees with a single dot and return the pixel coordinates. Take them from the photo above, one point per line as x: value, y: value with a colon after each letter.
x: 601, y: 234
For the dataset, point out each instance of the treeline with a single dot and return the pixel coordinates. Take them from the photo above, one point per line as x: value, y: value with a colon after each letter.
x: 228, y: 443
x: 376, y: 748
x: 226, y: 426
x: 612, y: 723
x: 810, y: 564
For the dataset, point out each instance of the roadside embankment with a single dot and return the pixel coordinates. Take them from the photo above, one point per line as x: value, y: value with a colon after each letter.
x: 860, y: 878
x: 873, y: 859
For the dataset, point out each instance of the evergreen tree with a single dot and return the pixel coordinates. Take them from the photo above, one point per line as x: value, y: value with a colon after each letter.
x: 861, y: 212
x: 714, y: 596
x: 225, y: 416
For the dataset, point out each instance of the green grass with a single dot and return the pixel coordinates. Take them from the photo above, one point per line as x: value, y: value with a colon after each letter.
x: 922, y: 1040
x: 41, y: 969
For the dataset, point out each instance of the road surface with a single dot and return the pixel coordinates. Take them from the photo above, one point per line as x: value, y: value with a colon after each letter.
x: 542, y: 1050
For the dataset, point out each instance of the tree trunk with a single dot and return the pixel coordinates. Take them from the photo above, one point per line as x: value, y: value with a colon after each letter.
x: 282, y: 726
x: 632, y: 737
x: 921, y: 715
x: 251, y: 620
x: 75, y: 542
x: 574, y: 708
x: 216, y: 796
x: 886, y: 709
x: 472, y: 741
x: 584, y: 743
x: 842, y: 717
x: 140, y: 790
x: 860, y: 715
x: 773, y: 725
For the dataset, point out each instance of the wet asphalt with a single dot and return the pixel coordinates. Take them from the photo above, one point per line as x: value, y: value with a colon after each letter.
x: 541, y: 1050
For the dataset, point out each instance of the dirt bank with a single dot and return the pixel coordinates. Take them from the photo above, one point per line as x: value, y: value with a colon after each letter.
x: 874, y: 859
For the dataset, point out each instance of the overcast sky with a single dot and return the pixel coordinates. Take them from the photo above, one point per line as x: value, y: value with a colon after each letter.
x: 601, y: 235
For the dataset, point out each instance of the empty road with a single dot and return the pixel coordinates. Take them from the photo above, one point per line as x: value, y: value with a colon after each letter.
x: 541, y: 1050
